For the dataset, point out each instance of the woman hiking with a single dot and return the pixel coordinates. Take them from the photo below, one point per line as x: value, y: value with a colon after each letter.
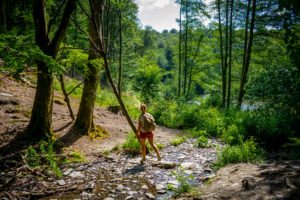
x: 145, y: 130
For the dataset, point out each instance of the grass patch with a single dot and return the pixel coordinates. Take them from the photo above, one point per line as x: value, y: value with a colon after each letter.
x: 248, y: 151
x: 178, y: 141
x: 75, y: 157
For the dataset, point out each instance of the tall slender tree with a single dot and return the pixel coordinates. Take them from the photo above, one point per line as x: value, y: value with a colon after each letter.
x: 120, y: 51
x: 230, y: 55
x: 248, y: 55
x: 179, y: 52
x: 221, y: 52
x: 185, y: 48
x: 40, y: 124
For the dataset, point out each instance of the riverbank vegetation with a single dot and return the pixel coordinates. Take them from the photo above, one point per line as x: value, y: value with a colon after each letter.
x: 236, y: 79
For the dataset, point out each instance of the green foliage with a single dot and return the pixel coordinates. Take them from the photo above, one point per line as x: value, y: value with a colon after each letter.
x: 294, y: 146
x: 132, y: 144
x: 248, y: 151
x: 178, y: 141
x: 42, y: 155
x: 75, y: 157
x: 147, y: 79
x: 195, y: 133
x: 18, y: 53
x: 232, y: 136
x: 183, y: 179
x: 32, y: 158
x: 106, y: 153
x: 202, y: 142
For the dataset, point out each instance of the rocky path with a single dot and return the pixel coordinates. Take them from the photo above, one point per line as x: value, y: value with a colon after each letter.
x: 122, y: 176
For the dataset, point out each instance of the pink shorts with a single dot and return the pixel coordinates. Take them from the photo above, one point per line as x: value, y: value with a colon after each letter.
x: 146, y: 135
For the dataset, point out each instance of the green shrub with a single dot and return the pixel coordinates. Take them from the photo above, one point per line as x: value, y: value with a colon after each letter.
x: 248, y: 151
x: 178, y: 141
x: 195, y: 133
x: 42, y: 155
x: 183, y: 179
x: 202, y: 142
x: 232, y: 136
x: 294, y: 146
x: 32, y: 158
x: 132, y: 144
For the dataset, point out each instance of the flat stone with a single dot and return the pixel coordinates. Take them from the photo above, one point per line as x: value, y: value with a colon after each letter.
x: 67, y: 172
x: 120, y: 187
x: 129, y: 197
x: 150, y: 196
x: 144, y: 187
x: 164, y: 164
x: 132, y: 193
x: 173, y: 182
x: 161, y: 191
x: 188, y: 172
x: 108, y: 198
x: 159, y: 187
x: 61, y: 182
x: 76, y: 174
x: 188, y: 165
x: 6, y: 94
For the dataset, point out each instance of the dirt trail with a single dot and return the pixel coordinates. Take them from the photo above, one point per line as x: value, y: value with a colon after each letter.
x: 14, y: 118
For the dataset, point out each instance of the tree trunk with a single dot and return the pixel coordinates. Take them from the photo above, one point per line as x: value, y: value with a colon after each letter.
x: 84, y: 120
x: 185, y: 49
x: 67, y: 100
x: 221, y: 53
x: 224, y: 74
x: 179, y: 53
x: 120, y: 53
x: 3, y: 16
x: 230, y: 56
x: 40, y: 124
x: 248, y: 57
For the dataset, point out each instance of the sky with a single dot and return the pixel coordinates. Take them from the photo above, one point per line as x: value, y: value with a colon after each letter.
x: 160, y: 14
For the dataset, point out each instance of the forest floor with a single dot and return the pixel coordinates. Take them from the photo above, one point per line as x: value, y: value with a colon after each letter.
x: 120, y: 175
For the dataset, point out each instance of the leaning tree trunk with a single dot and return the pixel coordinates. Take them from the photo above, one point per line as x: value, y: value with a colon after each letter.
x: 84, y: 121
x: 40, y: 124
x: 248, y: 57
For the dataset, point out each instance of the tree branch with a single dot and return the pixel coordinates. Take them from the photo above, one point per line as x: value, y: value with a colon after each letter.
x: 55, y: 16
x: 59, y: 35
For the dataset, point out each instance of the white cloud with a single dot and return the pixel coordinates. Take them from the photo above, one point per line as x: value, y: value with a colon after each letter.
x: 160, y: 14
x: 151, y: 4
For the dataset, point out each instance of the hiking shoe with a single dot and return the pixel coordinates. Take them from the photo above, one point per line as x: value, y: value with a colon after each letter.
x: 143, y: 161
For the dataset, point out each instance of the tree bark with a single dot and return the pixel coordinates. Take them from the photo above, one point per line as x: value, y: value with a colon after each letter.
x: 224, y: 73
x: 84, y: 121
x: 40, y: 124
x: 3, y: 15
x: 179, y: 52
x: 221, y: 53
x: 248, y: 56
x: 230, y: 56
x: 120, y: 53
x: 67, y: 99
x: 185, y: 48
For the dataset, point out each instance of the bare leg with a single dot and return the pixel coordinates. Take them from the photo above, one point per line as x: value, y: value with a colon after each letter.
x: 143, y: 141
x: 154, y: 147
